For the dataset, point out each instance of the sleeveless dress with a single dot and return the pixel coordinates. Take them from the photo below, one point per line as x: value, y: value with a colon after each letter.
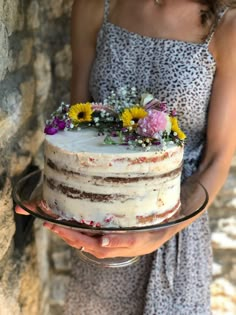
x: 175, y: 279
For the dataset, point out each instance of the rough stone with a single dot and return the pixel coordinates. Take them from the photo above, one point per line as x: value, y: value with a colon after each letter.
x: 15, y: 109
x: 63, y: 63
x: 10, y: 112
x: 42, y: 70
x: 57, y: 9
x: 10, y: 13
x: 221, y: 240
x: 33, y: 21
x: 19, y: 285
x: 26, y: 149
x: 29, y: 285
x: 27, y: 89
x: 25, y: 54
x: 223, y: 297
x: 4, y: 51
x: 29, y: 40
x: 7, y: 225
x: 217, y: 269
x: 8, y: 304
x: 5, y: 259
x: 23, y: 57
x: 233, y: 273
x: 42, y: 245
x: 228, y: 226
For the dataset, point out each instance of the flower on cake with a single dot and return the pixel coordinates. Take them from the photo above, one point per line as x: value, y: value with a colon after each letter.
x: 131, y: 116
x: 176, y: 129
x: 123, y: 118
x: 154, y: 124
x: 54, y: 126
x: 80, y: 113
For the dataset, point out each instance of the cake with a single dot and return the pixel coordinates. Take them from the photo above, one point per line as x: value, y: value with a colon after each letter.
x: 104, y: 185
x: 92, y: 181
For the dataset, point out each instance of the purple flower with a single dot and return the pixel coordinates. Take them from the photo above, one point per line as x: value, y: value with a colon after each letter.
x: 153, y: 123
x: 50, y: 130
x: 59, y: 123
x: 53, y: 127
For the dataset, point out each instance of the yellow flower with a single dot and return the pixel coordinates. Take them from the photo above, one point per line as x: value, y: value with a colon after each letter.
x: 175, y: 128
x: 130, y: 116
x: 80, y: 113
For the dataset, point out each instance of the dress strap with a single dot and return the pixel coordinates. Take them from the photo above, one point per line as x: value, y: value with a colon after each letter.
x: 106, y: 10
x: 214, y: 27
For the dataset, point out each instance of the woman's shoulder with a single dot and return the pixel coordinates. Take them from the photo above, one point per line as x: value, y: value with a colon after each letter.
x: 87, y: 18
x: 228, y: 26
x: 88, y: 10
x: 225, y: 36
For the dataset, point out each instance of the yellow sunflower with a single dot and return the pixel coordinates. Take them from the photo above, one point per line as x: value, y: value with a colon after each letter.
x: 175, y: 128
x: 80, y: 113
x: 131, y: 116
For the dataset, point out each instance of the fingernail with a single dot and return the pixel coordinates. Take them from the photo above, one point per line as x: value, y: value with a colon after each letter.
x: 105, y: 241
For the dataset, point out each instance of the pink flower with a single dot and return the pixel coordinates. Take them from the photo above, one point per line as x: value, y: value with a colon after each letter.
x: 152, y: 124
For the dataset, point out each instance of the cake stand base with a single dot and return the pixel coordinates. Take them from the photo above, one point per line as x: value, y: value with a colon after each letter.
x: 117, y: 262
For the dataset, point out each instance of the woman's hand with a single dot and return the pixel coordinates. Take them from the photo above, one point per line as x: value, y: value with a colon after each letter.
x: 115, y: 245
x: 110, y: 245
x: 19, y: 210
x: 32, y: 206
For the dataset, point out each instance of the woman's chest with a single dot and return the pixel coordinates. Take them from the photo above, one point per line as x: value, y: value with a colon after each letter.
x: 163, y: 67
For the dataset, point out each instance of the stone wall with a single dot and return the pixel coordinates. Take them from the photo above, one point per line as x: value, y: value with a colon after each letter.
x: 34, y: 76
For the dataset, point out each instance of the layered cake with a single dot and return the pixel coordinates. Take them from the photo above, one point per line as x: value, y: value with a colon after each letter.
x: 102, y: 185
x: 116, y: 163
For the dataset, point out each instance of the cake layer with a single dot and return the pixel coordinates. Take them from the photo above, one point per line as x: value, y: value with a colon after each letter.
x: 88, y: 181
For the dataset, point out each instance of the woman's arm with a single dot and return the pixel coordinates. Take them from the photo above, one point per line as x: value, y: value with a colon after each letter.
x: 221, y: 128
x: 86, y: 20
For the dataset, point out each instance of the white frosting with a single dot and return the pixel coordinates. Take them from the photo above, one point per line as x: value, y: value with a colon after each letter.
x: 90, y: 169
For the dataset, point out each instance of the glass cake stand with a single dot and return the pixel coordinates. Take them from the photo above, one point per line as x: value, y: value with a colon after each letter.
x: 28, y: 192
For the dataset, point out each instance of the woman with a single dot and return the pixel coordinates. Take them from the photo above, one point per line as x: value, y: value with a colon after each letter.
x: 182, y: 51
